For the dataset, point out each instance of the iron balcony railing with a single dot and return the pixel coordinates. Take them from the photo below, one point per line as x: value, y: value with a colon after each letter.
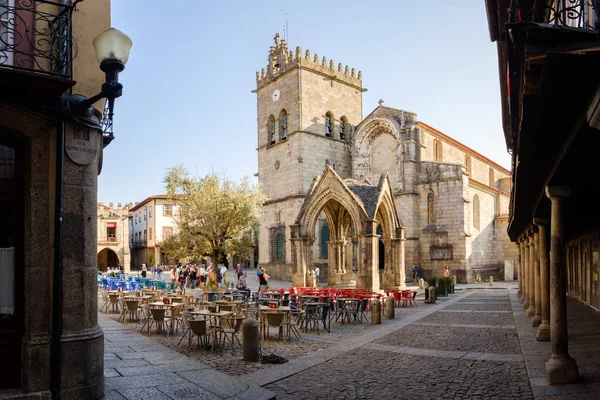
x: 36, y: 36
x: 109, y: 240
x: 582, y: 14
x: 139, y: 243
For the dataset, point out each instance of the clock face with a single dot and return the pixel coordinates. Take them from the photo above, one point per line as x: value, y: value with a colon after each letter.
x: 276, y: 95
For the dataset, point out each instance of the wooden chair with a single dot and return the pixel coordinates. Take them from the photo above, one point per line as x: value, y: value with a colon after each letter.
x: 114, y: 301
x: 105, y: 301
x: 133, y: 306
x: 159, y: 319
x: 274, y: 320
x: 230, y: 327
x: 200, y: 328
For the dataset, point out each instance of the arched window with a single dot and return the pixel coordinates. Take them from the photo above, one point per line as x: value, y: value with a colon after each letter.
x: 328, y: 124
x: 492, y: 178
x: 277, y: 244
x: 343, y: 127
x: 283, y: 125
x: 468, y: 164
x: 325, y: 235
x: 271, y: 129
x: 476, y: 224
x: 430, y: 209
x: 280, y: 247
x: 437, y: 150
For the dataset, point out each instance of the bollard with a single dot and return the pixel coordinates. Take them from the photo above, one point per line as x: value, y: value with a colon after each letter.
x: 491, y: 281
x: 250, y: 340
x: 375, y: 312
x: 389, y: 308
x: 431, y: 295
x: 421, y: 283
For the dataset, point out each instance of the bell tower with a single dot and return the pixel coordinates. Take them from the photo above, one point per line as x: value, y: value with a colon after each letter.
x: 307, y: 108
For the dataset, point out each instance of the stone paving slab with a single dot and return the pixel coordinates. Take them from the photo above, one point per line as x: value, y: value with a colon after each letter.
x: 450, y: 338
x: 583, y: 322
x: 372, y: 374
x: 142, y: 368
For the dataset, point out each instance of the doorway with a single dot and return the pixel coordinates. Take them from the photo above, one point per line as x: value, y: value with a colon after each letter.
x: 11, y: 260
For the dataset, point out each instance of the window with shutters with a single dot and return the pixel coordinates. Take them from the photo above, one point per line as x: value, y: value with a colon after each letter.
x: 328, y: 124
x: 476, y: 222
x: 277, y: 244
x: 343, y: 127
x: 283, y: 125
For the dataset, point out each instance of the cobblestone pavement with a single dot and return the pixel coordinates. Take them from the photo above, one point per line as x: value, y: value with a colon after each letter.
x: 458, y: 354
x: 465, y: 346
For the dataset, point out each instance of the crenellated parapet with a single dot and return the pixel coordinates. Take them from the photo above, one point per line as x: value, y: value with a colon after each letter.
x: 281, y: 60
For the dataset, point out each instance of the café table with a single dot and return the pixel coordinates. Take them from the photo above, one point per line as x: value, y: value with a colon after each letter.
x: 348, y: 308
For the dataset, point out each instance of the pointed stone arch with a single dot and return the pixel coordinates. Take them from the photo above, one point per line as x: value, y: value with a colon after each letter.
x: 351, y: 208
x: 363, y: 162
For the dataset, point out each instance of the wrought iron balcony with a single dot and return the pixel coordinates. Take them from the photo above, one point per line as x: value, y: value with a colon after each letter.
x: 35, y: 36
x: 138, y: 243
x: 582, y: 14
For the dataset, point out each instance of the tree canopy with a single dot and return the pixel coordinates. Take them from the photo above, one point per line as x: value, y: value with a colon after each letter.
x: 215, y: 215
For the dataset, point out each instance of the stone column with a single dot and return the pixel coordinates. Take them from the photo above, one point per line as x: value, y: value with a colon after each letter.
x: 526, y: 272
x: 561, y: 368
x: 520, y: 291
x: 537, y: 318
x: 531, y: 273
x: 543, y: 332
x: 401, y: 277
x: 368, y: 273
x: 301, y: 255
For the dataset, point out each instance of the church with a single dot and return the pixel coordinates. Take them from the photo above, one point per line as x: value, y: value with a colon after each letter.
x: 385, y: 187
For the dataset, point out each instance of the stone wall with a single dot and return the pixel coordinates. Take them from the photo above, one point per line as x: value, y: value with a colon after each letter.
x: 83, y: 375
x: 320, y: 95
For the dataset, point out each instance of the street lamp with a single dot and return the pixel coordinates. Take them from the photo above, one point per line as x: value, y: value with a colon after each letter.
x: 112, y: 51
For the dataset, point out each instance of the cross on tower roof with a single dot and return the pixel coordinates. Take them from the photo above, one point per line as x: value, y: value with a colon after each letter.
x: 380, y: 102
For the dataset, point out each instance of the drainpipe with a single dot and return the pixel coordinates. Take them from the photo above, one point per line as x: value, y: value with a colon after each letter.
x: 55, y: 349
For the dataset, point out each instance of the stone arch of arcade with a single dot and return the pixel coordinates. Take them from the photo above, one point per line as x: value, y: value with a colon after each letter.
x: 353, y: 210
x: 108, y: 257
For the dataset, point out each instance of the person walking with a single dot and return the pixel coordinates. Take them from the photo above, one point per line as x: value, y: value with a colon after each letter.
x: 263, y: 281
x: 239, y: 272
x: 415, y: 273
x: 318, y: 275
x: 144, y: 270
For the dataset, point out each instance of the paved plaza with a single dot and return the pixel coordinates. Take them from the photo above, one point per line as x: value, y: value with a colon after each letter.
x: 476, y: 344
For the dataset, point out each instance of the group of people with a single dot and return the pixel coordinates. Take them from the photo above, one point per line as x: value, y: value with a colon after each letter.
x: 114, y: 272
x: 416, y: 273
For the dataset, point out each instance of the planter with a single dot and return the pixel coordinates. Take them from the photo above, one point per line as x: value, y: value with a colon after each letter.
x: 441, y: 291
x: 452, y: 289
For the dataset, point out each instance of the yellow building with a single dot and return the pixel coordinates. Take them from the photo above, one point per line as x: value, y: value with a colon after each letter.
x: 46, y: 54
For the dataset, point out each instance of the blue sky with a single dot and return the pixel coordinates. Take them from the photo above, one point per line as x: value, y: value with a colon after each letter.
x: 187, y: 84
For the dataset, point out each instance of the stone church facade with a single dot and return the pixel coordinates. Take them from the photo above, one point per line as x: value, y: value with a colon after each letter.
x: 452, y: 202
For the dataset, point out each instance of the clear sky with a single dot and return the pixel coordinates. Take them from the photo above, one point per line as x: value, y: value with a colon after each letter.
x: 187, y: 99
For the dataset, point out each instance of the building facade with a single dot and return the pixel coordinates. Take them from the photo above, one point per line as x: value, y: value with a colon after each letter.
x: 113, y: 236
x: 38, y: 66
x: 451, y: 200
x: 150, y: 222
x: 548, y: 60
